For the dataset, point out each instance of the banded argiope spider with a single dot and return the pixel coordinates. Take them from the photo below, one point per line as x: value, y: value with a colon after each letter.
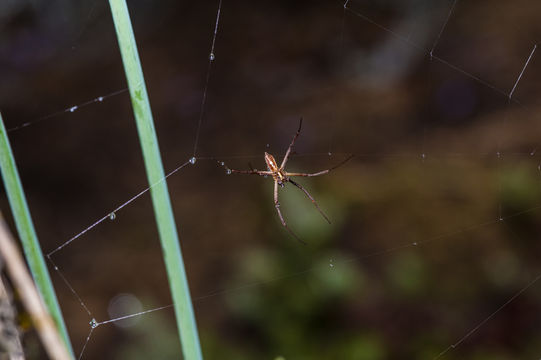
x: 281, y: 177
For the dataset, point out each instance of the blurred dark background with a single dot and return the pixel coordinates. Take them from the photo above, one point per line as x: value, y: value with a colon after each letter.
x: 435, y: 222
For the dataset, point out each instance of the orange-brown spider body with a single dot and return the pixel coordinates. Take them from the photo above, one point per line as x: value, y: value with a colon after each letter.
x: 278, y: 174
x: 281, y: 177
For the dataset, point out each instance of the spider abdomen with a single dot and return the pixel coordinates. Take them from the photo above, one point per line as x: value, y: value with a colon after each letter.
x: 271, y: 163
x: 277, y: 173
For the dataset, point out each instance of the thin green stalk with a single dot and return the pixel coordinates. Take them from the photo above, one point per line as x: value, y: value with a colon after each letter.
x: 27, y: 234
x: 163, y: 211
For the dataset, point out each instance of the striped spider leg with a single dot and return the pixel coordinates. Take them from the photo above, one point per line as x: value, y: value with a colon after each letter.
x: 281, y: 177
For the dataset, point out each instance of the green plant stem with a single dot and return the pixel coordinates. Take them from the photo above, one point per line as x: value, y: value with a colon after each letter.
x: 160, y: 196
x: 27, y: 234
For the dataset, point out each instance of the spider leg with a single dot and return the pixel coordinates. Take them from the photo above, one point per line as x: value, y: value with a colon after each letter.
x: 311, y: 198
x: 307, y: 175
x: 251, y: 172
x: 291, y: 146
x: 323, y: 172
x: 277, y: 206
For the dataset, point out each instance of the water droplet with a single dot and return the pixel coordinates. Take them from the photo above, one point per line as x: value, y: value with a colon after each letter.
x: 192, y: 160
x: 331, y: 265
x: 112, y: 216
x: 73, y: 108
x: 533, y: 152
x: 56, y: 268
x: 268, y: 145
x: 93, y: 323
x: 423, y: 156
x: 501, y: 218
x: 498, y: 154
x: 222, y: 163
x: 414, y: 244
x: 100, y: 98
x: 211, y: 56
x: 329, y: 153
x: 228, y: 171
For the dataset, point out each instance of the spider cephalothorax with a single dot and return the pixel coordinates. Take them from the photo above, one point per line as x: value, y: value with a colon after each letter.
x: 281, y: 177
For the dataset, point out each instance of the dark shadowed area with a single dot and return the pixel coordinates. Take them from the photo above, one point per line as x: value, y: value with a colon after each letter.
x: 435, y: 222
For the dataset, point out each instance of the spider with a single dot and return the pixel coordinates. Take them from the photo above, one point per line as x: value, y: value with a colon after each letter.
x: 281, y: 177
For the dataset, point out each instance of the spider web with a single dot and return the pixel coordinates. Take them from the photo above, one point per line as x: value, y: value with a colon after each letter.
x: 431, y: 253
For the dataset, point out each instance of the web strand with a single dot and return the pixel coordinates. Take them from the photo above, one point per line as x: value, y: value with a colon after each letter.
x: 499, y: 155
x: 86, y: 343
x: 70, y: 109
x: 113, y: 213
x: 70, y: 287
x: 205, y: 90
x: 412, y: 155
x: 413, y: 45
x: 133, y: 315
x: 86, y: 21
x: 488, y: 318
x: 338, y: 263
x: 522, y: 72
x: 341, y: 51
x: 431, y: 52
